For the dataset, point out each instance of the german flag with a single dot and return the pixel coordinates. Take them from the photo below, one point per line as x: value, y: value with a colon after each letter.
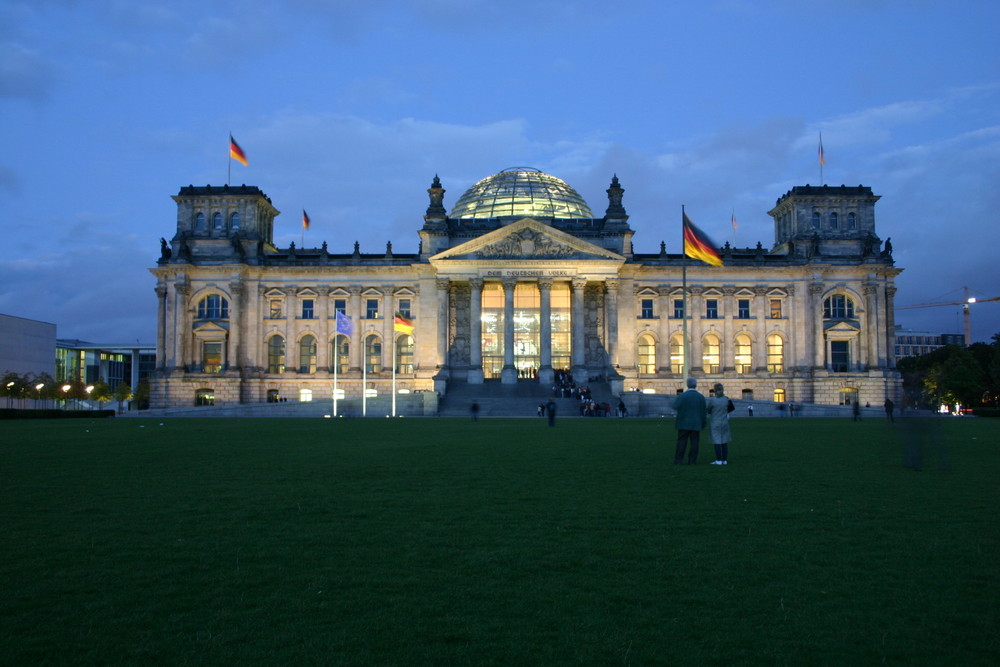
x: 402, y: 324
x: 305, y: 219
x: 236, y: 153
x: 698, y: 246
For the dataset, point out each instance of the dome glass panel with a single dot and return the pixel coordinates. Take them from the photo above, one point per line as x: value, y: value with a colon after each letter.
x: 520, y: 191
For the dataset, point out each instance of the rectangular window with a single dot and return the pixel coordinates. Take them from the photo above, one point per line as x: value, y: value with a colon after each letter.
x: 211, y: 358
x: 646, y: 309
x: 371, y: 309
x: 678, y: 309
x: 775, y: 309
x: 339, y: 306
x: 307, y: 309
x: 275, y: 305
x: 712, y: 309
x: 404, y: 308
x: 743, y: 309
x: 840, y: 356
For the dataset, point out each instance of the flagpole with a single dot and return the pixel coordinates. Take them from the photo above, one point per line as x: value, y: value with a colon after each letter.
x: 364, y: 380
x: 822, y: 159
x: 336, y: 363
x: 394, y: 370
x: 684, y: 297
x: 229, y: 160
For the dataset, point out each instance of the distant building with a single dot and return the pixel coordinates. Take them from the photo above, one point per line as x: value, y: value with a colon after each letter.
x: 113, y: 364
x: 27, y: 346
x: 521, y: 282
x: 912, y: 343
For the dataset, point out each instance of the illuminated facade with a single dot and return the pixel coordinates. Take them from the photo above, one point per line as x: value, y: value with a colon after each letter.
x: 517, y: 282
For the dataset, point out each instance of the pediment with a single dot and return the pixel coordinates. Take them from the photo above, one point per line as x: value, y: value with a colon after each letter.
x: 842, y: 327
x: 527, y: 239
x: 210, y: 327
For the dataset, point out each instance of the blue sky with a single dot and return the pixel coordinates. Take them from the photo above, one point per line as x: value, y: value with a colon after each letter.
x: 348, y: 109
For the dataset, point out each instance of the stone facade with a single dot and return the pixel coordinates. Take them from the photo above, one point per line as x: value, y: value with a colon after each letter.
x: 523, y: 297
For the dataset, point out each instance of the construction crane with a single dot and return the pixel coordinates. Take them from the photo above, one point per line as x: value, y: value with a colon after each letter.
x: 969, y: 300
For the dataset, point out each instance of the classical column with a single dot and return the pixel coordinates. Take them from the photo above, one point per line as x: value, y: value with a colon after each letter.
x: 611, y: 317
x: 762, y: 311
x: 354, y: 351
x: 161, y: 327
x: 388, y: 327
x: 291, y: 348
x: 695, y: 333
x: 234, y: 351
x: 888, y: 332
x: 545, y: 373
x: 181, y: 325
x: 727, y: 360
x: 509, y: 373
x: 323, y: 362
x: 443, y: 286
x: 665, y: 310
x: 475, y: 372
x: 814, y: 315
x: 869, y: 349
x: 579, y: 371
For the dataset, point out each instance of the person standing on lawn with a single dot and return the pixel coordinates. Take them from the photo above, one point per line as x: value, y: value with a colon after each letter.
x: 689, y: 422
x: 718, y: 407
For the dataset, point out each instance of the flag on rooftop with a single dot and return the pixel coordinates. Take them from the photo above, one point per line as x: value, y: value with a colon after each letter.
x: 236, y: 153
x: 822, y: 158
x: 305, y: 219
x: 697, y: 245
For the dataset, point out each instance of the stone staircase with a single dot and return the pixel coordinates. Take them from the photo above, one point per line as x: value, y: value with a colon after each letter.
x: 513, y: 400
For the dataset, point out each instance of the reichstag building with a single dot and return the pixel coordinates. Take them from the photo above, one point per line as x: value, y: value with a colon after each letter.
x: 521, y: 282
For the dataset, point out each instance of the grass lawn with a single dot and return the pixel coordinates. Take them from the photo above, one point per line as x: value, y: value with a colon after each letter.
x: 419, y: 541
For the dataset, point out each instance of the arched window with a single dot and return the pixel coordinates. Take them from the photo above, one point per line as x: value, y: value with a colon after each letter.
x: 339, y: 350
x: 213, y: 307
x: 404, y: 354
x: 838, y: 307
x: 234, y: 222
x: 834, y: 220
x: 748, y: 394
x: 848, y: 396
x: 307, y: 354
x: 744, y: 355
x: 779, y: 395
x: 710, y: 358
x: 217, y: 221
x: 199, y: 222
x: 647, y: 354
x: 276, y: 354
x: 816, y: 221
x: 272, y: 396
x: 775, y: 354
x: 677, y: 355
x: 373, y: 354
x: 305, y: 395
x: 204, y: 397
x: 852, y: 221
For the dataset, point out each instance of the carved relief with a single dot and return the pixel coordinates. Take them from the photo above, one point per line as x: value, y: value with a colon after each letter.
x: 526, y: 243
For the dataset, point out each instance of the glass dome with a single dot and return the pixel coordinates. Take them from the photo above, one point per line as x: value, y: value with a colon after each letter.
x: 520, y: 191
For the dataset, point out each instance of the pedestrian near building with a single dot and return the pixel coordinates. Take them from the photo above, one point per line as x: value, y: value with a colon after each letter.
x: 750, y: 410
x: 888, y: 410
x: 718, y: 408
x: 689, y: 422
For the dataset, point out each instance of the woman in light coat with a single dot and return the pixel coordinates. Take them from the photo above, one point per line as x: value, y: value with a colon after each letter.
x: 718, y: 424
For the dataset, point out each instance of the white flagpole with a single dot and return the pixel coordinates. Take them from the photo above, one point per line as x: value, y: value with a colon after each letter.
x: 364, y: 378
x: 394, y: 369
x: 684, y: 292
x: 336, y: 363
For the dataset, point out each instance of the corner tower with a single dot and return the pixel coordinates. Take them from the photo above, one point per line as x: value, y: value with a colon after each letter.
x: 812, y: 220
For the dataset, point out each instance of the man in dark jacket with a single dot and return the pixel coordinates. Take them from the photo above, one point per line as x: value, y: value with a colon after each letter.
x: 690, y: 407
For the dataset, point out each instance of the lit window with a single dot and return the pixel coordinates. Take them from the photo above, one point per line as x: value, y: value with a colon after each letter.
x: 775, y: 309
x: 404, y: 354
x: 308, y: 309
x: 838, y: 307
x: 775, y: 354
x: 744, y: 359
x: 779, y: 395
x: 848, y: 396
x: 305, y: 395
x: 211, y: 356
x: 677, y: 355
x: 743, y: 309
x: 341, y: 355
x: 213, y: 307
x: 276, y: 354
x: 204, y: 397
x: 275, y: 309
x: 373, y: 354
x: 646, y: 309
x: 712, y: 309
x: 710, y: 354
x: 647, y: 354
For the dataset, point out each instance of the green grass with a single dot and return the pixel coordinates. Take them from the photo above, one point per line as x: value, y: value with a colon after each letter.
x: 416, y: 541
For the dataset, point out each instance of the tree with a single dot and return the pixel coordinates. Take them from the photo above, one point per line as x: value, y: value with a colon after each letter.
x: 123, y: 393
x: 142, y: 394
x: 958, y: 380
x: 101, y: 393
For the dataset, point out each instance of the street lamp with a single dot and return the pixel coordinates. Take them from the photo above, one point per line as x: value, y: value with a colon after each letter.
x: 38, y: 392
x: 90, y: 388
x: 65, y: 390
x: 10, y: 395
